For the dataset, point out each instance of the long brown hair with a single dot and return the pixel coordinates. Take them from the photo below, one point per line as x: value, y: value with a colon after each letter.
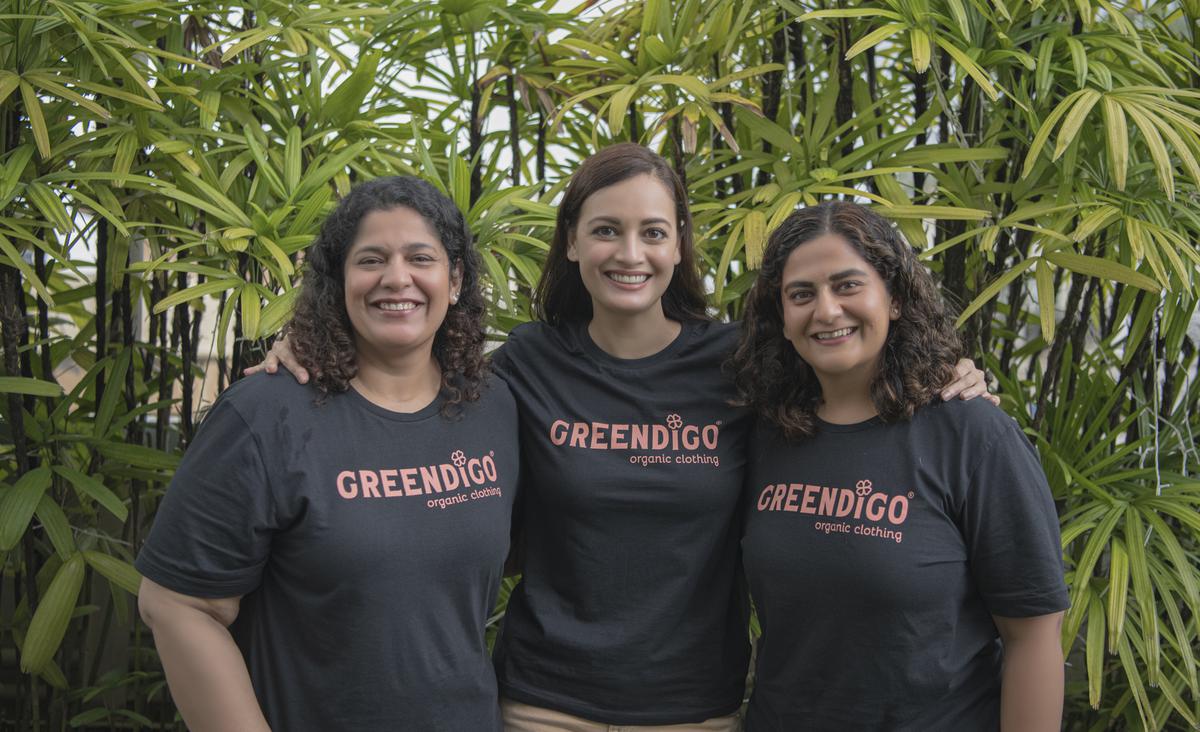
x: 320, y: 331
x: 921, y: 346
x: 561, y: 296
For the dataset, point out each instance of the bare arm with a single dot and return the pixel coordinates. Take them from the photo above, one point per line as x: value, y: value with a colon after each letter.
x: 205, y: 670
x: 1031, y: 692
x: 969, y: 382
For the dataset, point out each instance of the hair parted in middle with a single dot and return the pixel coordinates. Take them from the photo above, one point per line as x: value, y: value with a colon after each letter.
x: 919, y: 353
x: 561, y: 296
x: 320, y: 331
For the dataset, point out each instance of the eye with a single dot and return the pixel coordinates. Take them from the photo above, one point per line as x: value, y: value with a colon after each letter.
x: 423, y: 258
x: 848, y: 286
x: 656, y: 233
x: 800, y: 295
x: 369, y: 260
x: 604, y: 231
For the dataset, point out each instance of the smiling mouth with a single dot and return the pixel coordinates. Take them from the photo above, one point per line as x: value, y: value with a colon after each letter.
x: 831, y: 334
x: 627, y: 279
x: 397, y: 306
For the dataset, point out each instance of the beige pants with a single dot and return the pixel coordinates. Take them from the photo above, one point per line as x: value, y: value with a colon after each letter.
x: 519, y: 717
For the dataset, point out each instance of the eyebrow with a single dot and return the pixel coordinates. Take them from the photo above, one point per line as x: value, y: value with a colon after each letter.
x: 382, y: 249
x: 835, y: 277
x: 614, y: 220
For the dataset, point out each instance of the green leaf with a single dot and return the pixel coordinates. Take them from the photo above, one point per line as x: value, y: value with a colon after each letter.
x: 211, y: 287
x: 138, y: 455
x: 94, y: 489
x: 345, y: 103
x: 1074, y: 120
x: 618, y: 105
x: 874, y: 38
x: 1116, y: 140
x: 53, y: 613
x: 1094, y: 648
x: 33, y: 110
x: 32, y: 387
x: 276, y: 312
x: 18, y: 505
x: 973, y: 70
x: 292, y: 159
x: 119, y: 572
x: 945, y: 213
x: 1046, y: 299
x: 993, y: 289
x: 1118, y: 582
x: 58, y: 529
x: 1102, y: 268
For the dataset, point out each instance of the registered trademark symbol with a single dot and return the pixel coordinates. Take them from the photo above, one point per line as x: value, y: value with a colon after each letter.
x: 911, y: 494
x: 492, y: 453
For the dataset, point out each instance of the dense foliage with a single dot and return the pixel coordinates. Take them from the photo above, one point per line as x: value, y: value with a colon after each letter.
x: 165, y: 164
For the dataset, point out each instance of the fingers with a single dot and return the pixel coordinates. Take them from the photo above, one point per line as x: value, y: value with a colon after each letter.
x: 289, y: 362
x: 993, y: 398
x: 969, y: 382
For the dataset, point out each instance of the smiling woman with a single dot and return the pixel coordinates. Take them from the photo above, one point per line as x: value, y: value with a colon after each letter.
x: 400, y: 451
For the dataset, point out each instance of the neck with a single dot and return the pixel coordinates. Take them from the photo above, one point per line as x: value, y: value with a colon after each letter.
x: 846, y: 399
x: 404, y: 383
x: 633, y: 336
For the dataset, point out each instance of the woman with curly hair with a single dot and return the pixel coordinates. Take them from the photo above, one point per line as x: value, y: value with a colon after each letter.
x: 327, y: 555
x: 631, y: 609
x: 903, y: 552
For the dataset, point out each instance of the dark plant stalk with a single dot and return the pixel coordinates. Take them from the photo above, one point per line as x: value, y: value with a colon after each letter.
x: 1063, y: 335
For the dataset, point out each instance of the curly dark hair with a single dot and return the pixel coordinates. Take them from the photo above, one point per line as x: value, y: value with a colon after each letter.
x: 320, y: 332
x: 561, y: 296
x: 919, y: 352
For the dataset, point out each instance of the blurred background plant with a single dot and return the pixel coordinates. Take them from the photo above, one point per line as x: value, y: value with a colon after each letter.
x: 165, y: 164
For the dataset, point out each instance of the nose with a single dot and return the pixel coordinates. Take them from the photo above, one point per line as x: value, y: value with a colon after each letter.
x: 826, y: 307
x: 396, y: 274
x: 630, y: 251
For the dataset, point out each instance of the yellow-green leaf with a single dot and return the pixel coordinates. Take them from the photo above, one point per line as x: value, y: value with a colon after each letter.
x: 873, y: 38
x: 921, y: 50
x: 968, y: 65
x: 32, y: 387
x: 1045, y: 295
x: 50, y: 619
x: 119, y: 572
x: 1118, y: 584
x: 1074, y: 120
x: 1116, y: 140
x: 33, y: 110
x: 1102, y: 268
x: 993, y: 289
x: 19, y: 504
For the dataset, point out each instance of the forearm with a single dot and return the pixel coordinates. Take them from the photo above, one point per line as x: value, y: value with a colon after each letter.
x: 1031, y: 696
x: 207, y: 674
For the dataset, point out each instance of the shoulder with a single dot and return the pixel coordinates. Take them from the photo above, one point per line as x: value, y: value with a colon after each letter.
x: 267, y: 398
x: 977, y: 423
x: 534, y: 340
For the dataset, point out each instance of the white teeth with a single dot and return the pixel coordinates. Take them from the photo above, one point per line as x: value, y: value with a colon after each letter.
x: 628, y: 279
x: 397, y: 305
x: 834, y: 334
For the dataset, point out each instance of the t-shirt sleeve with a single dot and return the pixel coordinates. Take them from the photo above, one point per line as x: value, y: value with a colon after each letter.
x: 1011, y: 527
x: 212, y: 534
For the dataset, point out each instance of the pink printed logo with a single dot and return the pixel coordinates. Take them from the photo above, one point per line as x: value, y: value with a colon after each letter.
x: 698, y: 443
x: 851, y: 508
x: 479, y: 474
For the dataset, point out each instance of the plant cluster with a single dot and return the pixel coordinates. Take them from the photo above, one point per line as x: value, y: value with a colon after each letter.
x: 164, y: 165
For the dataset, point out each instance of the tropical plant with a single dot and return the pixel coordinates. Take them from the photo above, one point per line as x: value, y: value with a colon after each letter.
x: 165, y: 164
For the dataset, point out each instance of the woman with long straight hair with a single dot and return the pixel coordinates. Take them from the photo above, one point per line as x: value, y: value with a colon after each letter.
x: 631, y: 609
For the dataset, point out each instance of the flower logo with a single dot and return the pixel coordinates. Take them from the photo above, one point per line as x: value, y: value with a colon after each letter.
x: 674, y: 421
x: 458, y: 458
x: 863, y: 487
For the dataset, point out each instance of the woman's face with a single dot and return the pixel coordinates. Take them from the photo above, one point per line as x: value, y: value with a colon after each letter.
x: 836, y: 309
x: 399, y: 283
x: 626, y: 242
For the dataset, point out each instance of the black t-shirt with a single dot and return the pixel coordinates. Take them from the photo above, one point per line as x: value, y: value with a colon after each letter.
x: 632, y: 608
x: 368, y: 545
x: 877, y: 555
